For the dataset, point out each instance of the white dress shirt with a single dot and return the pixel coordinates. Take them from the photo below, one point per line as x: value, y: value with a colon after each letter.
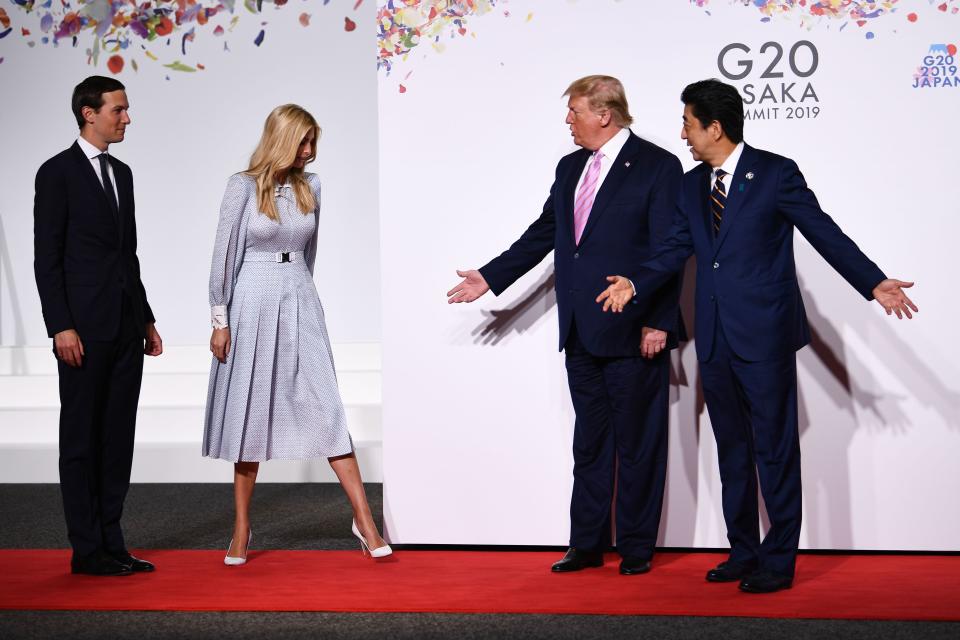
x: 730, y: 166
x: 610, y: 149
x: 92, y: 152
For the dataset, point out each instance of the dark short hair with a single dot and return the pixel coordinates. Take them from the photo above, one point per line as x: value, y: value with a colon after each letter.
x: 714, y: 100
x: 89, y: 93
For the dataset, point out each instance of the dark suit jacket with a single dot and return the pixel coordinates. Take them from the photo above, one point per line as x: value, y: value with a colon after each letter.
x: 632, y: 212
x: 85, y: 258
x: 746, y: 275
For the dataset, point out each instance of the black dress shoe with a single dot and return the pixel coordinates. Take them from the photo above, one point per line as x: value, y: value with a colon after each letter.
x: 633, y: 566
x: 574, y: 560
x: 136, y: 564
x: 99, y: 564
x: 729, y: 572
x: 764, y: 581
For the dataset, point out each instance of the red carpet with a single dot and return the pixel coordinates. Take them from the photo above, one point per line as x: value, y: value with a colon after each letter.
x: 855, y: 587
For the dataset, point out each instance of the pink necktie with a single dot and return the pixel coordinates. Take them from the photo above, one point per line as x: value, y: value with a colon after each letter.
x: 581, y: 209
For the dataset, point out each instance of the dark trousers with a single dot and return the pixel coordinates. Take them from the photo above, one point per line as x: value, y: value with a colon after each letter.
x: 620, y: 439
x: 753, y: 410
x: 98, y: 411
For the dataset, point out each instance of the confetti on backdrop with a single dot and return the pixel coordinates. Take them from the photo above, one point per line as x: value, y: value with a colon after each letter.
x: 122, y: 30
x: 857, y: 11
x: 402, y: 25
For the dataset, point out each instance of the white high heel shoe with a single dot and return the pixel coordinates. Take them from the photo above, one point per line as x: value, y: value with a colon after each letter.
x: 379, y: 552
x: 235, y: 561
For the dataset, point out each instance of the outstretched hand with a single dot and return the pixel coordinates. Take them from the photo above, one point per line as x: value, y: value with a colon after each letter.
x: 617, y: 295
x: 891, y: 297
x: 470, y: 288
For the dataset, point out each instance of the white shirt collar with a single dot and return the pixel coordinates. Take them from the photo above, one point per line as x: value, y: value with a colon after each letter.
x: 88, y: 149
x: 611, y: 148
x: 730, y: 164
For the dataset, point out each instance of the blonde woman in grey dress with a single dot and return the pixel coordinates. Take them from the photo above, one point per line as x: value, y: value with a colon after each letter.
x: 273, y: 389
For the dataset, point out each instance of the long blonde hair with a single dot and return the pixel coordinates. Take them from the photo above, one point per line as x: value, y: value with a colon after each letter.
x: 284, y: 130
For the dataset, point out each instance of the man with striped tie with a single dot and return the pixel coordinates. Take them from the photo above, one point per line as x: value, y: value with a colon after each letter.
x: 737, y: 211
x: 611, y: 202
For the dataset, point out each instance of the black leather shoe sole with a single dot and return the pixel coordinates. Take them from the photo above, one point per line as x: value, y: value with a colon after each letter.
x: 723, y: 576
x: 634, y: 569
x: 568, y: 566
x: 726, y: 573
x: 101, y: 571
x: 764, y: 586
x: 136, y: 564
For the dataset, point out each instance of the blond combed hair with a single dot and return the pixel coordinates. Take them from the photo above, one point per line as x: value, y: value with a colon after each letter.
x: 284, y: 130
x: 604, y: 93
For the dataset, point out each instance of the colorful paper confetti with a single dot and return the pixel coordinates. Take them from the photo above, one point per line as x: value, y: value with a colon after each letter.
x: 116, y: 27
x: 402, y: 25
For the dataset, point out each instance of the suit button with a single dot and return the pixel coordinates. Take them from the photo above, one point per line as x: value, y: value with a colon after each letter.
x: 576, y: 255
x: 712, y: 298
x: 716, y: 265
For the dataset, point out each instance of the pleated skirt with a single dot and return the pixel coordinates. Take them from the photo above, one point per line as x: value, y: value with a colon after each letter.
x: 276, y: 396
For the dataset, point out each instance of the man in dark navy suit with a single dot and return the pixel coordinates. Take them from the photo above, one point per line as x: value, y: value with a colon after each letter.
x: 737, y: 212
x: 95, y: 309
x: 611, y: 202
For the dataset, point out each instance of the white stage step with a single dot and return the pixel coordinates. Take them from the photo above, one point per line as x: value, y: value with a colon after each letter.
x: 170, y: 418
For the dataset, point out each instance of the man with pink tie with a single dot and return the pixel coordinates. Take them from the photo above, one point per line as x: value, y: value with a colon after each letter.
x: 611, y: 202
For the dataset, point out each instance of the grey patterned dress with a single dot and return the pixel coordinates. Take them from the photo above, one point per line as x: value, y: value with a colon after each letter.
x: 276, y: 396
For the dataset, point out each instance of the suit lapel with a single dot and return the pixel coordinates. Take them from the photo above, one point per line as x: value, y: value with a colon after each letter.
x: 90, y: 176
x: 123, y: 193
x: 570, y: 187
x: 611, y: 184
x: 739, y: 190
x: 86, y: 169
x: 702, y: 185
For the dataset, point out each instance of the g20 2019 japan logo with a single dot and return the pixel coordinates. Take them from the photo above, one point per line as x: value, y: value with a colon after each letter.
x: 938, y: 68
x: 776, y: 79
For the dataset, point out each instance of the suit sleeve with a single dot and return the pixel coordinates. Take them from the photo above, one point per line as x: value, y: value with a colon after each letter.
x: 530, y: 248
x: 669, y: 255
x: 663, y: 309
x: 799, y: 205
x: 148, y: 316
x: 50, y: 213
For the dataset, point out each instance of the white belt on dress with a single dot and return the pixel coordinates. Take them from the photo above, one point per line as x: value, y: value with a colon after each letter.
x: 279, y: 256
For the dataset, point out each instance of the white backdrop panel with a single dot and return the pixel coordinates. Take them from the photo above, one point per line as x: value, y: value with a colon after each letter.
x: 477, y: 419
x: 189, y: 132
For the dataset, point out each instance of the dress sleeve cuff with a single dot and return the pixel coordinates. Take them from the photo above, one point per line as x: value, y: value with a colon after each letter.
x: 218, y: 316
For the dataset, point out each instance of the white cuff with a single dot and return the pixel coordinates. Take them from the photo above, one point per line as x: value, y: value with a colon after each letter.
x: 632, y: 287
x: 218, y: 316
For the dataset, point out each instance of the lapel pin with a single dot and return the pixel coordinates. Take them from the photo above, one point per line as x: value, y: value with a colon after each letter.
x: 749, y: 175
x: 626, y: 164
